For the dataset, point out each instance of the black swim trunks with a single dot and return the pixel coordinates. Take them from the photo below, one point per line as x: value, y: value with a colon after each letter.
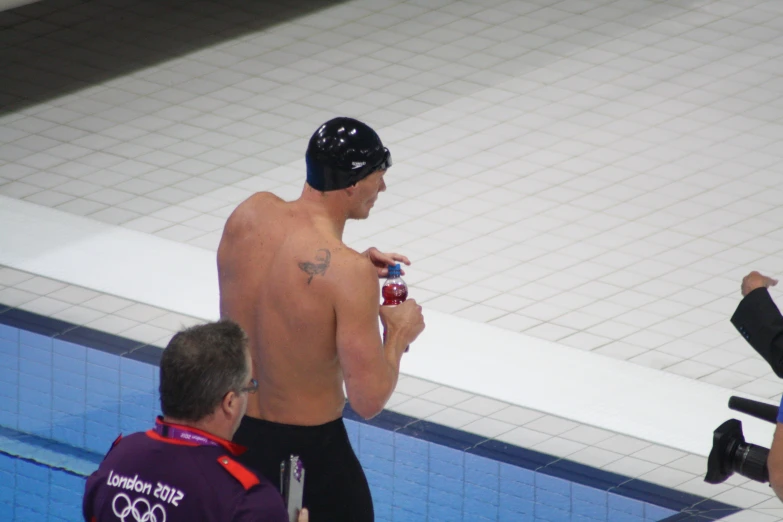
x: 336, y: 488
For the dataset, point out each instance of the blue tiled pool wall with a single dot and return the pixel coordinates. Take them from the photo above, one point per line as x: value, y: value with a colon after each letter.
x: 82, y: 388
x: 464, y: 476
x: 72, y: 394
x: 415, y: 479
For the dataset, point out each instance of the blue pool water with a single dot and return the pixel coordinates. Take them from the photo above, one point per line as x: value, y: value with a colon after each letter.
x: 66, y: 392
x: 33, y: 492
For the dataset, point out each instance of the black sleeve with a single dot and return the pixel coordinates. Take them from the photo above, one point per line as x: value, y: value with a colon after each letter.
x: 760, y: 323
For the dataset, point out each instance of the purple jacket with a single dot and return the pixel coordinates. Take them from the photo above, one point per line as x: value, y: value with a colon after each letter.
x: 155, y: 478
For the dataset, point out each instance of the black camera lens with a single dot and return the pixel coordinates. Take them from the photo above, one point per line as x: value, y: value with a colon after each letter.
x: 731, y: 454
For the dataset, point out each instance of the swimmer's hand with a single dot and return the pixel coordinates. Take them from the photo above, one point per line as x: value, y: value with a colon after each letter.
x: 304, y: 515
x: 403, y: 322
x: 382, y: 260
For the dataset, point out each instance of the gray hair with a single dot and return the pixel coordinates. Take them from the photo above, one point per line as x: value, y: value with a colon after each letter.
x: 199, y: 366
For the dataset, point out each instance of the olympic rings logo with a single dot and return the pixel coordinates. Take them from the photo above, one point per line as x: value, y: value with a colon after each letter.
x: 132, y: 509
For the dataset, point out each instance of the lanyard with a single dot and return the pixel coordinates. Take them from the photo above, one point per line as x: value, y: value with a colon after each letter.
x: 173, y: 432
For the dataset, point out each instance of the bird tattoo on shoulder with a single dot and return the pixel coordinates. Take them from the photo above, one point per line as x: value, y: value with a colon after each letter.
x: 322, y: 259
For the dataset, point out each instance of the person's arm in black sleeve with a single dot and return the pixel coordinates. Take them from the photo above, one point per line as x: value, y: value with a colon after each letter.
x: 759, y: 321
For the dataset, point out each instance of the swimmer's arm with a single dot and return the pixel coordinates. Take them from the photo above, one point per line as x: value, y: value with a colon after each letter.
x: 370, y: 370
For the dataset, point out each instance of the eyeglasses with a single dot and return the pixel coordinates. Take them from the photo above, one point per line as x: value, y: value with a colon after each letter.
x: 250, y: 389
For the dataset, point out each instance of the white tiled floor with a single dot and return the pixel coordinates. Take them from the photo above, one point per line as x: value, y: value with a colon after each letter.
x: 600, y: 173
x: 597, y: 173
x: 82, y: 306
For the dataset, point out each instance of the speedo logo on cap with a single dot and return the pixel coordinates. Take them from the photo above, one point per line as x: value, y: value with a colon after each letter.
x: 358, y: 164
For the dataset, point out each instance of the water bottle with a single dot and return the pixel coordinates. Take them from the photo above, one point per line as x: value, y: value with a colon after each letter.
x: 394, y: 291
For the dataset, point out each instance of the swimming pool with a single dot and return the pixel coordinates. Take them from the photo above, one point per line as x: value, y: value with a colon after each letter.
x: 35, y: 492
x: 67, y: 391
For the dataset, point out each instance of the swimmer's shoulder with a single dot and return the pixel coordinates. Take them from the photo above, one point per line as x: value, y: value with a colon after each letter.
x: 261, y: 203
x: 353, y: 266
x: 259, y: 206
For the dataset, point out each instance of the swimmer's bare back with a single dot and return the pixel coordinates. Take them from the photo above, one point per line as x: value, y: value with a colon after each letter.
x: 285, y: 277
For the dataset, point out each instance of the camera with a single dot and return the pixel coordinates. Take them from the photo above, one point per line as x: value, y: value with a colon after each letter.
x: 731, y: 454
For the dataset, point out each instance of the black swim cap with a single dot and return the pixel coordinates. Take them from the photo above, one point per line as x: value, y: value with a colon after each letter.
x: 342, y: 152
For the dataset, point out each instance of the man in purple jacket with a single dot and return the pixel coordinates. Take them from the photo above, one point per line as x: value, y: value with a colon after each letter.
x: 184, y: 468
